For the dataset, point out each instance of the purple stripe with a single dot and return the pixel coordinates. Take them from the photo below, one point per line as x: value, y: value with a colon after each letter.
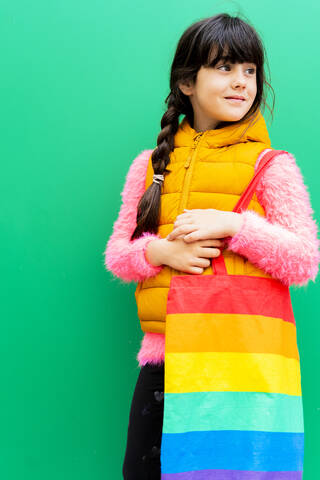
x: 231, y: 475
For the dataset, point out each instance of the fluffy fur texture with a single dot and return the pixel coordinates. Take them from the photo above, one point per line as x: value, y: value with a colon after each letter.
x: 284, y: 243
x: 152, y: 349
x: 124, y: 258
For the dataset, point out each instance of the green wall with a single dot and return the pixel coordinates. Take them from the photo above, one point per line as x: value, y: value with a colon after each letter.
x: 82, y: 93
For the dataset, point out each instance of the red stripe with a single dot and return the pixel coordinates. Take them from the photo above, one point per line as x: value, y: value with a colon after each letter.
x: 241, y: 294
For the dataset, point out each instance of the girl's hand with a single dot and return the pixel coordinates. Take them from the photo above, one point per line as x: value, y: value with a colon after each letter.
x: 203, y: 224
x: 189, y: 257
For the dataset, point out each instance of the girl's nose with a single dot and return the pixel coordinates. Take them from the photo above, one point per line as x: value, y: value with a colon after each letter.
x: 239, y: 77
x: 239, y: 81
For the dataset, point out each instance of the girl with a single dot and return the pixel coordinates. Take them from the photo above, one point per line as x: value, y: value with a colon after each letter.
x: 177, y: 204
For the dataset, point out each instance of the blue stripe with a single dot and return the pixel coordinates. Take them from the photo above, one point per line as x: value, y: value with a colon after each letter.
x: 232, y: 449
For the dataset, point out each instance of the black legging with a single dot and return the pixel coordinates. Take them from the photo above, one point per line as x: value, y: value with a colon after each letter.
x: 142, y: 456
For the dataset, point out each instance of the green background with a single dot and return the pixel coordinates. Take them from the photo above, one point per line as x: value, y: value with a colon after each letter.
x: 82, y: 94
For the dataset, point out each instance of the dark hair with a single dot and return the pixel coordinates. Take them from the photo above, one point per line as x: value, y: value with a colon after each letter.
x: 204, y: 43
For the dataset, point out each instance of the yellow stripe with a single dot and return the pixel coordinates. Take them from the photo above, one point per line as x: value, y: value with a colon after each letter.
x: 230, y: 371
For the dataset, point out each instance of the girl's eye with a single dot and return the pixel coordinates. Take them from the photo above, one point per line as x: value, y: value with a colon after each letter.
x: 225, y: 65
x: 228, y: 65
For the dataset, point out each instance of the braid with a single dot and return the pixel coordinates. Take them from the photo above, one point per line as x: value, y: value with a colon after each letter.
x: 148, y: 211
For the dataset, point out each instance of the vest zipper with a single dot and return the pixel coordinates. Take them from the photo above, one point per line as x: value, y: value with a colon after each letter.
x: 194, y: 146
x: 189, y: 167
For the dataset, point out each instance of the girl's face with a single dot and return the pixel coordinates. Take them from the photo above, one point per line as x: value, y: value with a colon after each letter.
x: 213, y: 85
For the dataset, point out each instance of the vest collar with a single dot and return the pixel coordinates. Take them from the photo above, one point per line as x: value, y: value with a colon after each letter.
x: 229, y: 135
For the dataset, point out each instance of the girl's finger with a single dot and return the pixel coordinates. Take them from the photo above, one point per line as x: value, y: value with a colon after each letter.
x: 175, y: 232
x: 181, y: 219
x: 213, y: 242
x: 196, y: 235
x: 183, y: 229
x: 210, y: 242
x: 191, y: 237
x: 172, y: 235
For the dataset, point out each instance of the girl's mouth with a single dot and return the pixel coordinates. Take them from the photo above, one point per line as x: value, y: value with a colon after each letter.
x: 234, y: 100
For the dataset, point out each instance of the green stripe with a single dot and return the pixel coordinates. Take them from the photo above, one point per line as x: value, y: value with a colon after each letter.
x: 196, y: 411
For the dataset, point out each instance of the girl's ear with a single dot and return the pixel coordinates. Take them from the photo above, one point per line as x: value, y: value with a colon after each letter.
x: 186, y: 88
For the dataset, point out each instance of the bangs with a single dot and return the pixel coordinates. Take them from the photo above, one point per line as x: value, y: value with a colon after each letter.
x: 236, y: 43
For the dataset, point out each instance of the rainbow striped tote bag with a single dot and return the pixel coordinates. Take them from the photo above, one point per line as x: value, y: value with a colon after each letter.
x: 232, y: 388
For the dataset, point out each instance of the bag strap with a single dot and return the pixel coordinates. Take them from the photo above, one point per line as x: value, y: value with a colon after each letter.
x: 218, y: 263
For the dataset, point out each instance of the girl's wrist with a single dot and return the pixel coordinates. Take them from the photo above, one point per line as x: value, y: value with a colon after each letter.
x: 236, y: 223
x: 154, y: 252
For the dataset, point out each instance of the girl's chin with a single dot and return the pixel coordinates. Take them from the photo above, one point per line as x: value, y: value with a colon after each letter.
x: 232, y: 116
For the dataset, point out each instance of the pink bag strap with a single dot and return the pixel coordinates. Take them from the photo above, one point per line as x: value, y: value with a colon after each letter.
x: 218, y: 263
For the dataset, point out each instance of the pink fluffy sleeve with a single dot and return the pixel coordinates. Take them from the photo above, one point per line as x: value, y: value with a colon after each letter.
x: 126, y: 258
x: 284, y: 243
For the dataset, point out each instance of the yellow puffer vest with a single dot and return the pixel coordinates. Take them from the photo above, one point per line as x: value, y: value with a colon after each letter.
x: 209, y: 169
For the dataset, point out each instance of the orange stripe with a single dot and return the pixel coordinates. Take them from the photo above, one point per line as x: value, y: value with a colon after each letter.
x: 220, y: 332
